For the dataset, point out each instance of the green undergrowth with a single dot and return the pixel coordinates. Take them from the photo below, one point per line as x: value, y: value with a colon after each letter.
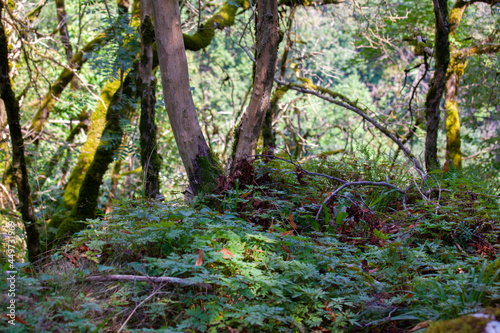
x: 267, y: 264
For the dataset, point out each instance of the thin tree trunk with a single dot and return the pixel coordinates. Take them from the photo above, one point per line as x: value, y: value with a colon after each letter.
x: 115, y: 177
x: 150, y: 160
x: 63, y: 28
x: 453, y: 142
x: 267, y: 35
x: 201, y: 166
x: 18, y: 159
x: 433, y: 98
x: 268, y: 131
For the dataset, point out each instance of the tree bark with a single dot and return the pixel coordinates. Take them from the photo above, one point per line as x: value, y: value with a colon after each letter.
x: 456, y: 69
x: 63, y: 28
x: 453, y: 142
x: 150, y: 160
x: 267, y: 36
x: 121, y: 107
x: 436, y: 89
x: 18, y: 159
x: 201, y: 165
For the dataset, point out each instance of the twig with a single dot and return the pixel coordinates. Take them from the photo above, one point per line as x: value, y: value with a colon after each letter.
x: 361, y: 113
x: 359, y: 183
x: 383, y: 319
x: 301, y: 168
x: 135, y: 309
x: 153, y: 279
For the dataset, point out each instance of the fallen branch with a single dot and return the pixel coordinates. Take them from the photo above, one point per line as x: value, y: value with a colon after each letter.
x: 152, y: 279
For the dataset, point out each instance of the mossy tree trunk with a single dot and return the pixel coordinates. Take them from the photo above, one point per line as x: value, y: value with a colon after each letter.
x: 121, y: 107
x: 458, y: 64
x: 453, y: 142
x: 87, y: 152
x: 201, y: 166
x: 18, y: 159
x: 268, y: 37
x: 150, y: 160
x: 436, y: 89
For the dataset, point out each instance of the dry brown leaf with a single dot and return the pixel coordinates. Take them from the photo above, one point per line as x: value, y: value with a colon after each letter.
x: 226, y: 253
x: 199, y: 261
x: 330, y: 311
x: 70, y: 258
x: 285, y: 233
x: 287, y: 250
x: 271, y: 228
x: 291, y: 221
x: 421, y: 325
x: 16, y: 318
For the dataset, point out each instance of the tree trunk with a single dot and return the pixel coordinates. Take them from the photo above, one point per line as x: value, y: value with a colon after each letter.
x: 201, y: 165
x: 121, y: 107
x: 18, y: 159
x: 453, y: 142
x: 433, y: 98
x: 268, y: 131
x: 87, y: 152
x: 267, y: 35
x: 115, y: 178
x: 63, y: 28
x: 150, y: 160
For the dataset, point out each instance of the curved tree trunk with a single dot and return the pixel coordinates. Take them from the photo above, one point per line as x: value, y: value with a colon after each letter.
x: 87, y: 152
x: 201, y: 166
x: 150, y: 160
x: 18, y: 159
x: 267, y: 36
x: 121, y: 107
x: 433, y: 98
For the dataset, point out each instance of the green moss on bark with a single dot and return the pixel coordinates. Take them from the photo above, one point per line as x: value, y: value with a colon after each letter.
x: 224, y: 18
x: 121, y: 106
x: 210, y: 169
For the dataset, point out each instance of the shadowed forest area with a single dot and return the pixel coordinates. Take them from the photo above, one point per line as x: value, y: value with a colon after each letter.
x: 250, y: 166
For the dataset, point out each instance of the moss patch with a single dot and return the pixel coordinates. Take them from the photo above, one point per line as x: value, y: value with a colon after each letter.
x: 224, y: 18
x: 210, y: 169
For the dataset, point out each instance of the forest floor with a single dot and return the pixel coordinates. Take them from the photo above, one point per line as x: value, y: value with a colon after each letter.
x: 256, y: 256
